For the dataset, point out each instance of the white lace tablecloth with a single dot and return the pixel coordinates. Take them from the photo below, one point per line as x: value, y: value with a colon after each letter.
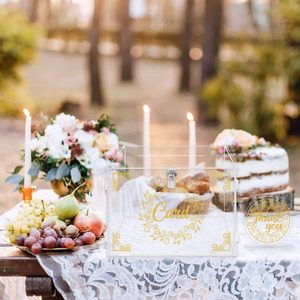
x: 258, y: 272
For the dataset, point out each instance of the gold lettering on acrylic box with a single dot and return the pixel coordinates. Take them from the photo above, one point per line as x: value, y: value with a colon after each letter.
x: 154, y: 212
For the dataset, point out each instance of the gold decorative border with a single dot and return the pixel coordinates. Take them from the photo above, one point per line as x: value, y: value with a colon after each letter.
x: 116, y: 244
x: 225, y: 246
x: 115, y: 181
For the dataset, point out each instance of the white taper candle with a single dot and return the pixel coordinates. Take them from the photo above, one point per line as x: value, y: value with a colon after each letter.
x: 27, y: 149
x: 192, y: 140
x: 146, y: 141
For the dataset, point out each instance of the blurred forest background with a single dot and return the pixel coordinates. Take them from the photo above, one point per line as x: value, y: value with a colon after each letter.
x: 233, y: 63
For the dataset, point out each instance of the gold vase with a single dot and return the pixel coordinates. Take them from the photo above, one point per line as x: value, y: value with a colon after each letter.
x: 59, y: 188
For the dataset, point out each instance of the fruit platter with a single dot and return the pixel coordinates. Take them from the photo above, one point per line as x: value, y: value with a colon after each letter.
x: 60, y: 225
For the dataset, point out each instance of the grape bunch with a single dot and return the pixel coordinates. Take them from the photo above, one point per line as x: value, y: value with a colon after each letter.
x: 30, y: 216
x: 49, y: 238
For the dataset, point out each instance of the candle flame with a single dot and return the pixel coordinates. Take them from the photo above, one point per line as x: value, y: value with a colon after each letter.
x: 190, y: 116
x: 26, y: 112
x: 146, y: 108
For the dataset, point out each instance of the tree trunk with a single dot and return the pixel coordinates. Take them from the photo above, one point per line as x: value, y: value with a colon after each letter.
x: 252, y: 15
x: 186, y: 46
x: 48, y: 12
x: 96, y: 92
x: 212, y: 34
x: 34, y: 8
x: 125, y: 41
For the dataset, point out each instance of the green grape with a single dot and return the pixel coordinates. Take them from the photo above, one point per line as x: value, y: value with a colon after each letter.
x: 30, y: 216
x: 25, y: 228
x: 9, y: 227
x: 37, y: 212
x: 12, y: 238
x: 30, y: 223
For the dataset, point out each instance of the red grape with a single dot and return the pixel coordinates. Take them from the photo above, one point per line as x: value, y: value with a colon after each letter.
x: 88, y: 238
x: 21, y: 239
x: 36, y: 248
x: 50, y: 232
x: 69, y: 243
x: 62, y: 242
x: 35, y: 233
x: 29, y: 241
x: 58, y: 243
x: 79, y: 241
x: 50, y: 242
x: 41, y: 242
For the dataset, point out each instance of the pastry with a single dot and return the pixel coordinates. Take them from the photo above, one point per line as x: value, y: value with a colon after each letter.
x: 197, y: 184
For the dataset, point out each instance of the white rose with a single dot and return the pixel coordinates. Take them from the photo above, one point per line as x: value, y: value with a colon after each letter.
x: 39, y: 144
x: 59, y: 151
x: 113, y: 140
x: 55, y: 138
x: 92, y: 153
x: 85, y: 139
x: 67, y: 122
x: 88, y: 157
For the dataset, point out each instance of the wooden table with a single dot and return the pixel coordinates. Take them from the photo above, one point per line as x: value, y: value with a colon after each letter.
x: 14, y: 262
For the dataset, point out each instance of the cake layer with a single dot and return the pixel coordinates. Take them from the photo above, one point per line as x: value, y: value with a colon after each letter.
x: 258, y: 161
x: 257, y: 184
x: 263, y: 183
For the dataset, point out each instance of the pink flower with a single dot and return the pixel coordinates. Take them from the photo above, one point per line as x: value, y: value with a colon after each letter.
x: 237, y: 143
x: 70, y: 140
x: 114, y: 154
x: 110, y: 154
x: 105, y: 130
x: 221, y: 149
x: 119, y: 156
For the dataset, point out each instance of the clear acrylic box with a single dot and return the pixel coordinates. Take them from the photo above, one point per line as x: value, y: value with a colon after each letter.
x: 176, y: 206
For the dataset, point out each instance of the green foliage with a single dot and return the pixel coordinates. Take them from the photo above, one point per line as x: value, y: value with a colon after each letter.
x: 104, y: 121
x: 252, y: 69
x: 226, y: 103
x: 238, y: 97
x: 289, y: 13
x: 18, y: 45
x: 12, y: 99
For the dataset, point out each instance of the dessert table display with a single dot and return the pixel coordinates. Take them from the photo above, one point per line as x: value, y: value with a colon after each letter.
x: 130, y: 222
x: 267, y: 272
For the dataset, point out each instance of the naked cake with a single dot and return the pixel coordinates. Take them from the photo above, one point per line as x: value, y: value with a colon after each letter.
x: 261, y: 167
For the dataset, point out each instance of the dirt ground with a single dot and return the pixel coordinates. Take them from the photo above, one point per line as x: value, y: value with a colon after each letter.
x: 55, y: 77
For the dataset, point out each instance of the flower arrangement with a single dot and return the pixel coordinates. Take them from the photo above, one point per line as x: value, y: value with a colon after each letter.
x: 237, y: 142
x: 65, y: 151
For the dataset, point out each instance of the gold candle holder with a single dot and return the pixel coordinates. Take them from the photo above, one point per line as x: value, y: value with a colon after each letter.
x: 27, y: 193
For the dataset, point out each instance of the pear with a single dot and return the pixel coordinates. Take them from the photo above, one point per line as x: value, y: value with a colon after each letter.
x: 67, y: 207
